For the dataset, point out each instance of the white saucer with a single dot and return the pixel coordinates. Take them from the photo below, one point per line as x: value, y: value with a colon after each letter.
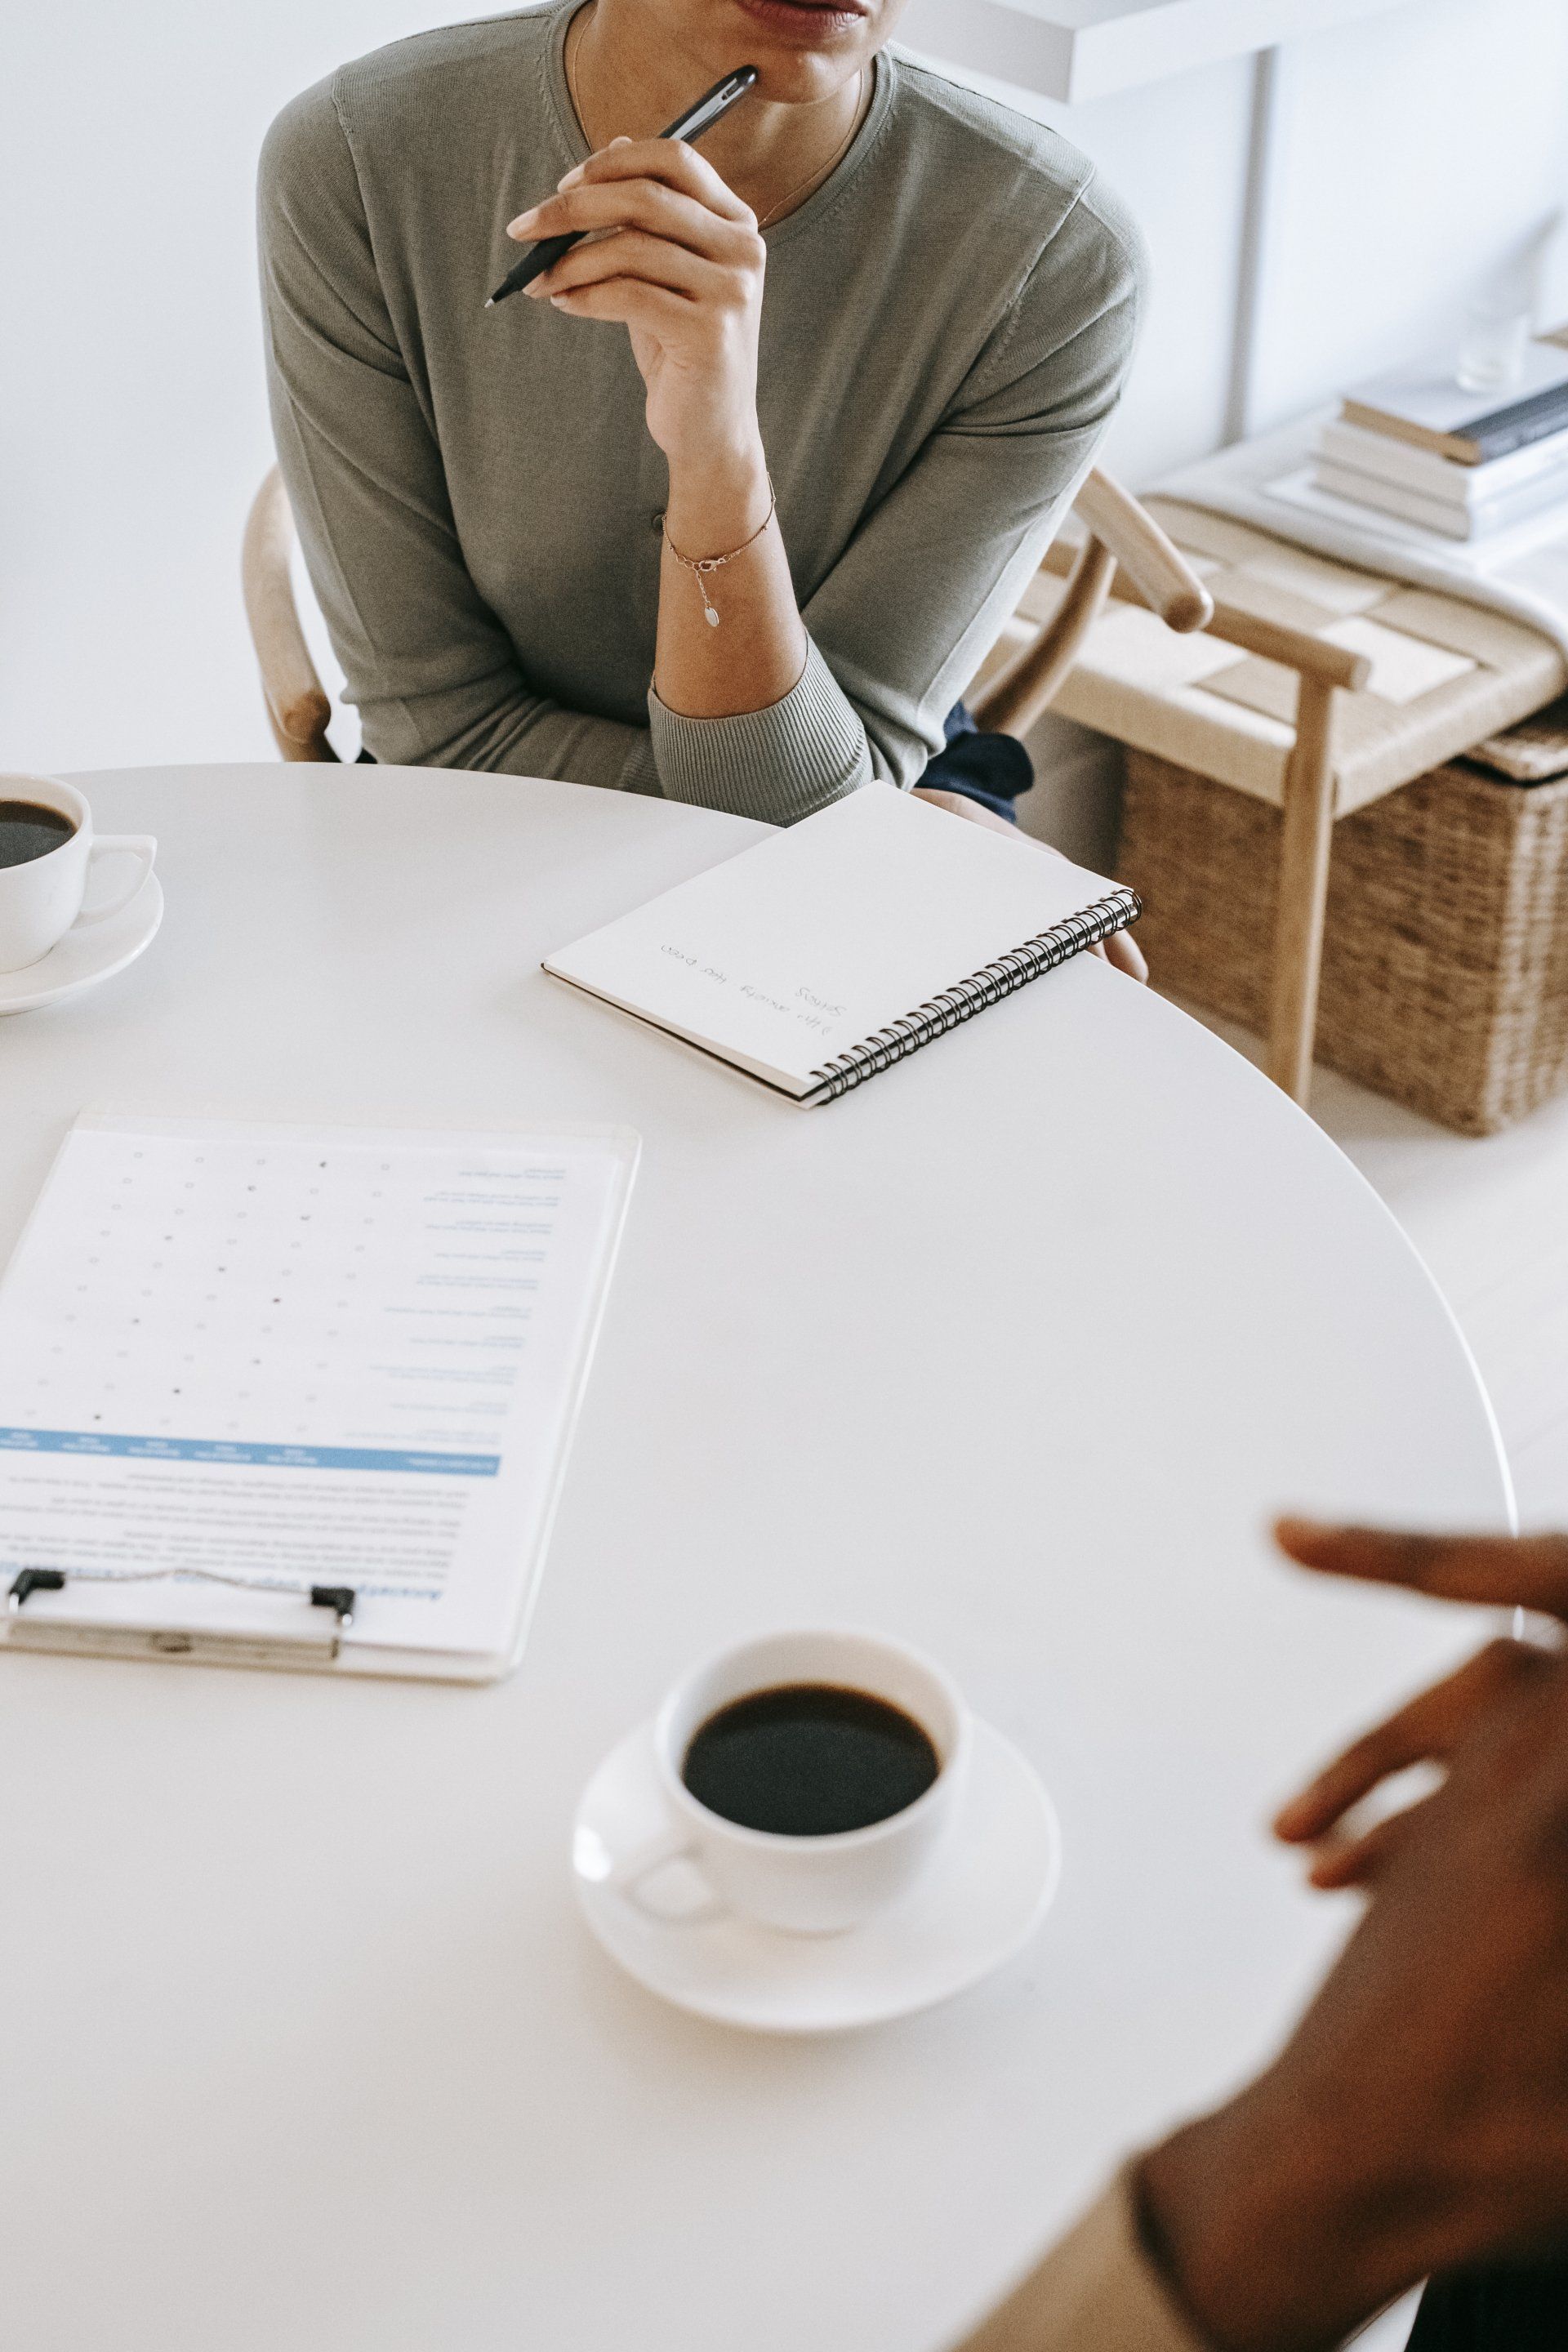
x: 981, y: 1899
x: 95, y: 951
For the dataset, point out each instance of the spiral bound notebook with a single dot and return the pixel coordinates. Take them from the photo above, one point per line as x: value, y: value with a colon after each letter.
x: 830, y: 950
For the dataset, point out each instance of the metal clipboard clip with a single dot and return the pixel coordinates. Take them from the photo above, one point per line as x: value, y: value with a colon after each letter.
x: 318, y: 1643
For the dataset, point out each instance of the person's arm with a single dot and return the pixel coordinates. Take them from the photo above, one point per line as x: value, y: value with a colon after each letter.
x: 436, y: 678
x: 937, y: 568
x: 772, y: 713
x: 1096, y: 2291
x: 1416, y: 2121
x: 675, y: 260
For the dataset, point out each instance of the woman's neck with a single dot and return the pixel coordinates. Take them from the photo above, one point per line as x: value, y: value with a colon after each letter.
x: 772, y: 153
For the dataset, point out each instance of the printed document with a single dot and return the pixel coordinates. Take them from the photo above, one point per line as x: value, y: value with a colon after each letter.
x: 294, y: 1356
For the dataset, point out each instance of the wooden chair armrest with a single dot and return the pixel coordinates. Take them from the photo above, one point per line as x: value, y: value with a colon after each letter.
x: 1298, y: 649
x: 1164, y: 577
x: 297, y: 705
x: 1009, y: 703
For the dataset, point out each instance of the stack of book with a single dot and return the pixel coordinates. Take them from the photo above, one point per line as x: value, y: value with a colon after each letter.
x: 1414, y: 444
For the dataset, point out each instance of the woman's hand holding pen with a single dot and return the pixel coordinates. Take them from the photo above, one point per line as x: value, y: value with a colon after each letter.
x: 674, y: 256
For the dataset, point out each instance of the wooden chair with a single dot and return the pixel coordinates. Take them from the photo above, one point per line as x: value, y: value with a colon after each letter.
x: 1126, y: 554
x: 298, y: 709
x: 1123, y: 554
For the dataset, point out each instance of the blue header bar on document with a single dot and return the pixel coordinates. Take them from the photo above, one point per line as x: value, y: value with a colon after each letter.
x: 248, y: 1456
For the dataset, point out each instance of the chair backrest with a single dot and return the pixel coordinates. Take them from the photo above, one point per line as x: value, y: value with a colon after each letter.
x: 298, y: 709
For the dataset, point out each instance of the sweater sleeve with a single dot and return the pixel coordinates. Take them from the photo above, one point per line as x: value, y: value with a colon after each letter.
x: 1096, y: 2291
x: 902, y: 622
x: 436, y: 677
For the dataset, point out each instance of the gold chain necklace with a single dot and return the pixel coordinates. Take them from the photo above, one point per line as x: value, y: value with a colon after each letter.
x: 824, y: 171
x: 568, y: 55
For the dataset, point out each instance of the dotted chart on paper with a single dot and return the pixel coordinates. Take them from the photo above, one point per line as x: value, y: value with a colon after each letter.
x: 335, y: 1294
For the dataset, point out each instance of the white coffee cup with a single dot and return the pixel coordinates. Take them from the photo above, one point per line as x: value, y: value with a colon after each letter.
x: 42, y: 900
x: 811, y: 1886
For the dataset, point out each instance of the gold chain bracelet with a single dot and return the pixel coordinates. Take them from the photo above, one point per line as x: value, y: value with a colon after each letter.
x: 701, y: 564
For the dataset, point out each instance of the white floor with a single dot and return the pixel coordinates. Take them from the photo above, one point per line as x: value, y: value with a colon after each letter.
x: 1490, y: 1217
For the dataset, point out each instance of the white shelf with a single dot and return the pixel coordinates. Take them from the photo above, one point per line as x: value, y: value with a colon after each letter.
x: 1088, y: 48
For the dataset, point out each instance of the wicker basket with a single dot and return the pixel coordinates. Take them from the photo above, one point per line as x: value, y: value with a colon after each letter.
x: 1446, y: 951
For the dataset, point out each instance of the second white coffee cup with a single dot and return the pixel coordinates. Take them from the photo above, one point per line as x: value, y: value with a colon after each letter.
x: 808, y: 1884
x: 43, y: 898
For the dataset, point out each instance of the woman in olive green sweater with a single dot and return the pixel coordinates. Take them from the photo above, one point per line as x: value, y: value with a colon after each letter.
x: 492, y: 502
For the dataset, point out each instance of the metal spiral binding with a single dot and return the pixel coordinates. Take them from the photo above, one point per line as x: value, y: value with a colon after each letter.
x: 987, y: 986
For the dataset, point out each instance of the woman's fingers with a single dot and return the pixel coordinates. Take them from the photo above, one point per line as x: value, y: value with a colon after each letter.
x: 1124, y: 954
x: 631, y: 253
x: 670, y: 160
x: 1517, y: 1571
x: 645, y: 203
x: 628, y: 302
x: 1429, y: 1729
x: 973, y: 811
x: 1118, y: 951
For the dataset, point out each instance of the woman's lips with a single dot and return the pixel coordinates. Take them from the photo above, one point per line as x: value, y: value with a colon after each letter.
x: 816, y: 22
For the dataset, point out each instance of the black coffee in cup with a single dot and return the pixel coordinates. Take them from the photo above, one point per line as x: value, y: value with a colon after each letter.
x: 809, y: 1759
x: 29, y: 830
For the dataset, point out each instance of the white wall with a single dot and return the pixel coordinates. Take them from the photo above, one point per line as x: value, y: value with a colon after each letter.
x: 1177, y: 152
x: 132, y: 414
x: 1416, y: 147
x: 1412, y: 153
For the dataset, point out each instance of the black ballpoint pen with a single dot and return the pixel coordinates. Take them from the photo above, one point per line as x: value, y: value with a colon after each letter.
x: 696, y: 119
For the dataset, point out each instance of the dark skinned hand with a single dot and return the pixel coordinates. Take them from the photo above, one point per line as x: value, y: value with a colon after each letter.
x: 1524, y: 1572
x: 1417, y: 2119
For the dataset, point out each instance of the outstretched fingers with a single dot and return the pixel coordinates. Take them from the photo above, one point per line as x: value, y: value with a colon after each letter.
x: 1425, y: 1731
x: 1359, y: 1861
x: 1511, y: 1572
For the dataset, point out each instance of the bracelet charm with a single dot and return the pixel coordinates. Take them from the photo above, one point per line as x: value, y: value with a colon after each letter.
x: 700, y: 566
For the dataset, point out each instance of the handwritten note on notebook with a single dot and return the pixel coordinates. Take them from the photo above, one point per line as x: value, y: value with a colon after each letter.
x: 802, y: 948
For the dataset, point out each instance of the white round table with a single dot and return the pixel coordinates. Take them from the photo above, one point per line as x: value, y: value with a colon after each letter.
x: 1009, y: 1353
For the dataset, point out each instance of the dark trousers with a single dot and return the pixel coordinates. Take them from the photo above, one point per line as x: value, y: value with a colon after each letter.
x: 1512, y: 2310
x: 993, y: 770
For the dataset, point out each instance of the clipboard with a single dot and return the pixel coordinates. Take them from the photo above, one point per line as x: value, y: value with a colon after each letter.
x: 312, y: 1408
x: 314, y: 1644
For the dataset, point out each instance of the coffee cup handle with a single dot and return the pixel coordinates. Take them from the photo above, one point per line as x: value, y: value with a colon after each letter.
x: 631, y: 1873
x: 143, y: 847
